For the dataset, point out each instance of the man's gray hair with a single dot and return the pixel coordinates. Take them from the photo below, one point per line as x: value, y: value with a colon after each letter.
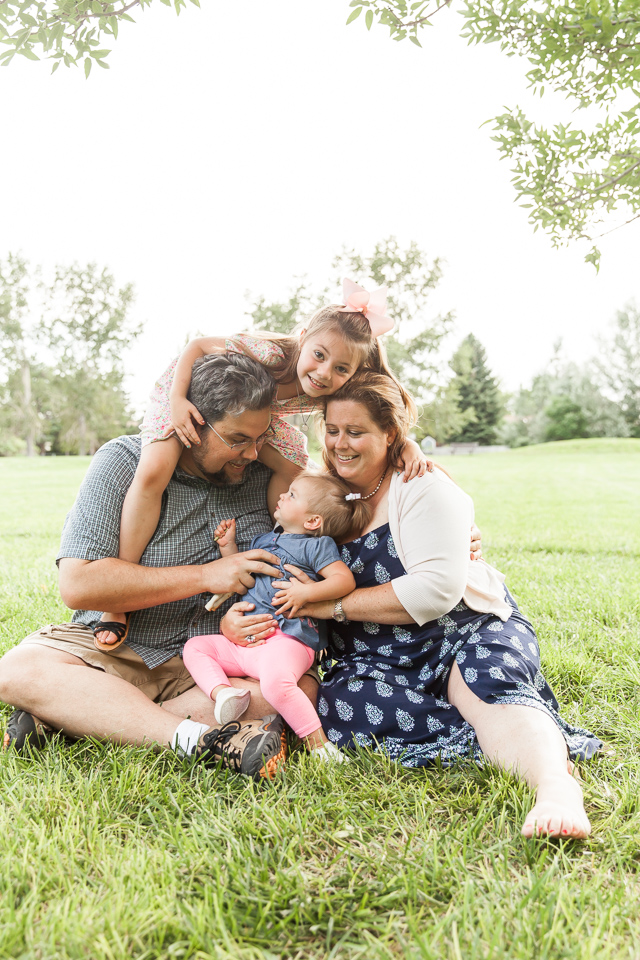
x: 230, y: 384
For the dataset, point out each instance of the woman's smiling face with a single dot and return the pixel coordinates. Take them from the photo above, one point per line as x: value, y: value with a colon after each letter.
x: 356, y: 446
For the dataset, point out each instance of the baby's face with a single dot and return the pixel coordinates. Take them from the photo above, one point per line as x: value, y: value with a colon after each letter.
x: 293, y: 508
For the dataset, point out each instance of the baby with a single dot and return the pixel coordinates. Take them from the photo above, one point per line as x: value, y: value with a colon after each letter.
x: 316, y: 510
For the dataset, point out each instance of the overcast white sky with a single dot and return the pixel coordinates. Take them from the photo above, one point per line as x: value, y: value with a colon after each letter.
x: 240, y: 145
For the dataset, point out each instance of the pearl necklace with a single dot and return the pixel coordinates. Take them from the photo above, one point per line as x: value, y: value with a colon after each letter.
x: 357, y: 496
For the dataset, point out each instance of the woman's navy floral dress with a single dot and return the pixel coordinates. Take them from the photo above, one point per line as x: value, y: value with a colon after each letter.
x: 387, y: 686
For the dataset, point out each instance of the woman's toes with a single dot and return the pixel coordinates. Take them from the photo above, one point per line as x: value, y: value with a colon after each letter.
x: 555, y: 819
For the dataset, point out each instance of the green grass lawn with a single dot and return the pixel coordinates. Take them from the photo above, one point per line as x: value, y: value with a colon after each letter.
x: 110, y: 853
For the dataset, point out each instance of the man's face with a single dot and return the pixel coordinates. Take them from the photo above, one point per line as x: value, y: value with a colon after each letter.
x: 217, y: 462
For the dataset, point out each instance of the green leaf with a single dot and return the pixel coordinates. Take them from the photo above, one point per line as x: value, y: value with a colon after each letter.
x: 369, y: 19
x: 55, y: 66
x: 354, y: 15
x: 99, y: 54
x: 594, y: 257
x: 416, y: 41
x: 87, y: 66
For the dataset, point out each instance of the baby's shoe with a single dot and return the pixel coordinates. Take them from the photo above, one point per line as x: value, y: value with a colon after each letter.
x: 328, y: 753
x: 231, y: 703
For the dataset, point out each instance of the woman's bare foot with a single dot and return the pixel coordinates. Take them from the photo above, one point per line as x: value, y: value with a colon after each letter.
x: 558, y: 810
x: 106, y: 636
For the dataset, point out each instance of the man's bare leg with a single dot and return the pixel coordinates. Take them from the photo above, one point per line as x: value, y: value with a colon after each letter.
x: 64, y: 692
x: 67, y: 694
x: 527, y: 742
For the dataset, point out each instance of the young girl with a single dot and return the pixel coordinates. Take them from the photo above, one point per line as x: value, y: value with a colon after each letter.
x: 316, y: 509
x: 309, y: 366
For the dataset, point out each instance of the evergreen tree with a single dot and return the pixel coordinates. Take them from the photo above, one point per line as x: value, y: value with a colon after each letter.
x: 479, y: 397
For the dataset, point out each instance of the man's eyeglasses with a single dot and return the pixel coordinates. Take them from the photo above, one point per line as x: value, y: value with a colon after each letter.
x: 243, y: 443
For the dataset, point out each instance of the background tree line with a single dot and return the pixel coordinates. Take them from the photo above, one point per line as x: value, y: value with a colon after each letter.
x: 63, y: 339
x: 461, y: 400
x: 600, y: 398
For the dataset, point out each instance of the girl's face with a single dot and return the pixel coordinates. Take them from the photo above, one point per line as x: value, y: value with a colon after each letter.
x: 356, y: 446
x: 325, y: 363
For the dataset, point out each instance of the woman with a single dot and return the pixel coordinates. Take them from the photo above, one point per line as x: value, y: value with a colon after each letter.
x: 431, y: 656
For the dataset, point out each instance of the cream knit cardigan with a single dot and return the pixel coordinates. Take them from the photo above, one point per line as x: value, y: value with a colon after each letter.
x: 430, y: 521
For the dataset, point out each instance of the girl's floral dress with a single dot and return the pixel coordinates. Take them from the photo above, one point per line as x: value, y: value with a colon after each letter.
x: 286, y: 439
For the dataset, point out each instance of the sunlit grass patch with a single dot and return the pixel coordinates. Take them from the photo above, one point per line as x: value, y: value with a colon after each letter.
x: 112, y: 853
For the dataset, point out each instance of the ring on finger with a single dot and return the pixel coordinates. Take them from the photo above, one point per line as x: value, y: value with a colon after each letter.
x: 251, y: 638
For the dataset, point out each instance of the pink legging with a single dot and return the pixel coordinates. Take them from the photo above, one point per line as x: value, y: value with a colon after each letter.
x: 278, y: 664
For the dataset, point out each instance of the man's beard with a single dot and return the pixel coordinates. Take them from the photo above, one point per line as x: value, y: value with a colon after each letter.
x: 220, y: 478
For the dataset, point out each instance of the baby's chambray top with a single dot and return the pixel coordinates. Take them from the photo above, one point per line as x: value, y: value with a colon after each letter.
x: 310, y: 554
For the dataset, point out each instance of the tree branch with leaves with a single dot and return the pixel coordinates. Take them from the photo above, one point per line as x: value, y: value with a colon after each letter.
x: 571, y: 181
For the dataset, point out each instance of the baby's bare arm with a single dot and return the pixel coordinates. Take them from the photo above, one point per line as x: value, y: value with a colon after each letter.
x: 337, y: 581
x: 225, y: 537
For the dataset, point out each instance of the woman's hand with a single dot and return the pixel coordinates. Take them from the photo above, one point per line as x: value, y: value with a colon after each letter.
x: 413, y: 461
x: 320, y: 609
x: 237, y: 625
x: 476, y: 543
x: 183, y: 416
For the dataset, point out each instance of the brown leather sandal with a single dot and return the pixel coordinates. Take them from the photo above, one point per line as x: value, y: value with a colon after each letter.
x: 110, y: 626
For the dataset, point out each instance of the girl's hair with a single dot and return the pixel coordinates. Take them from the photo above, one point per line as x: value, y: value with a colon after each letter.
x: 384, y: 401
x: 342, y: 519
x: 353, y: 328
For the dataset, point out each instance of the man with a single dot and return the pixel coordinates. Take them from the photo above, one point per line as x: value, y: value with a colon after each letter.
x: 141, y: 692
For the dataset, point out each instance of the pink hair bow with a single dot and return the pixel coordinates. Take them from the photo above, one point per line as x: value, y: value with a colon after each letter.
x: 372, y: 305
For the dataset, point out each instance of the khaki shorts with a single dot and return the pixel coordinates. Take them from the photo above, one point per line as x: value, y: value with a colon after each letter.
x: 161, y: 683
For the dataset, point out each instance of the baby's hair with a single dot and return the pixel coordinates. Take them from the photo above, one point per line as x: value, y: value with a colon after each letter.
x: 354, y: 328
x: 342, y: 519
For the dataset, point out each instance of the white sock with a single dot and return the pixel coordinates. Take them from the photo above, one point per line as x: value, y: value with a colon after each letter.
x: 328, y: 753
x: 187, y: 736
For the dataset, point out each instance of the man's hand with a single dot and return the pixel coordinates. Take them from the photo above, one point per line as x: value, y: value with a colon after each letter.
x: 236, y: 574
x: 292, y: 597
x: 237, y: 625
x: 476, y: 543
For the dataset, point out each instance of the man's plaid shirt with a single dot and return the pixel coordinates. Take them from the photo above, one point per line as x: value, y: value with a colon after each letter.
x: 191, y: 510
